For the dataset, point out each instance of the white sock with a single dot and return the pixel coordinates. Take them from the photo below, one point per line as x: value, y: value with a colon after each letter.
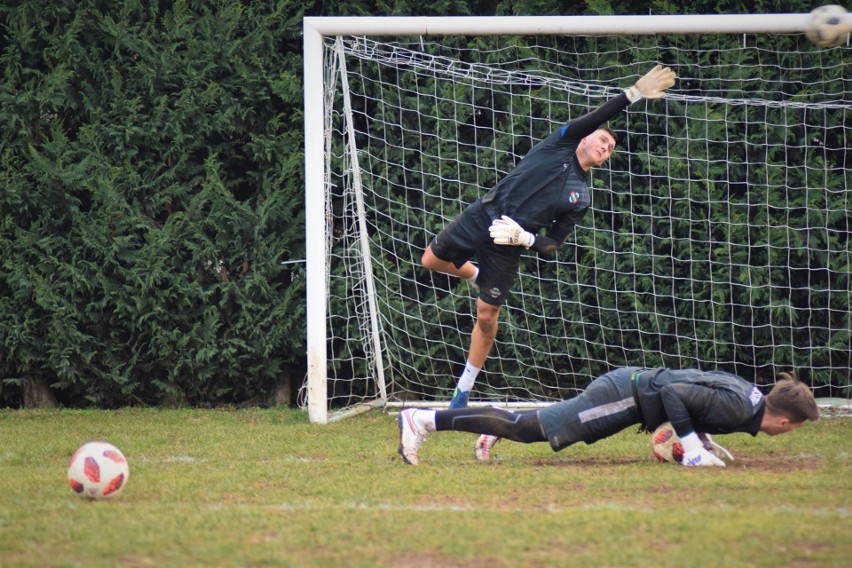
x: 468, y: 377
x: 424, y: 419
x: 472, y: 279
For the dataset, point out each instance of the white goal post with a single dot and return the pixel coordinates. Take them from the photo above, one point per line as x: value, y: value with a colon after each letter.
x: 323, y: 42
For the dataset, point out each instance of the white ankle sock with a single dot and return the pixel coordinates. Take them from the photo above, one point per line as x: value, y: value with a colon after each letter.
x: 468, y: 377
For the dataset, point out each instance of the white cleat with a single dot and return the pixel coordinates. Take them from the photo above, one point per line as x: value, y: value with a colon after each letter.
x: 482, y: 447
x: 410, y: 437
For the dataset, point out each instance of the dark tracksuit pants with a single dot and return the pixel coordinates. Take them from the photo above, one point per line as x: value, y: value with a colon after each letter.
x: 606, y: 407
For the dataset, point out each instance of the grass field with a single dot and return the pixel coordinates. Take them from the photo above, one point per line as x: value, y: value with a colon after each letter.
x: 262, y: 487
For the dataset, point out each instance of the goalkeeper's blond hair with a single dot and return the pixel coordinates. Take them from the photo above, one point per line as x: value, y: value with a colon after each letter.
x: 792, y: 399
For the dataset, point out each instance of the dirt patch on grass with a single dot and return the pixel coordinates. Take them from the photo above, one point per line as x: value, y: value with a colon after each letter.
x: 758, y: 463
x: 588, y: 462
x: 776, y: 463
x: 539, y: 558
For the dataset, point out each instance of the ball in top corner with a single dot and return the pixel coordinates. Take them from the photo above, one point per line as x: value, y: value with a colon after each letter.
x: 98, y: 470
x: 666, y: 445
x: 828, y: 26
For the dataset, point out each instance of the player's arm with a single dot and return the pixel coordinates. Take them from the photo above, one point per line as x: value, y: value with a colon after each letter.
x: 507, y: 231
x: 558, y: 232
x: 682, y: 401
x: 542, y: 244
x: 547, y: 245
x: 652, y: 85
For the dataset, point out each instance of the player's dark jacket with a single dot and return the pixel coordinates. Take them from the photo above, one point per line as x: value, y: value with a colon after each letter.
x: 547, y: 189
x: 713, y: 402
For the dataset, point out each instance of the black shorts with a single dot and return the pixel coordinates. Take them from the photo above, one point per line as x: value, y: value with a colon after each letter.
x: 467, y: 237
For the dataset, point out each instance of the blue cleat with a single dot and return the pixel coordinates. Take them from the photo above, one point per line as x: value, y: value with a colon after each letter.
x: 459, y: 399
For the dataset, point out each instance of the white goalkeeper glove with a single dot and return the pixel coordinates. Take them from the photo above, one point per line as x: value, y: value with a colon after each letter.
x: 715, y: 448
x: 694, y: 454
x: 506, y: 231
x: 653, y: 85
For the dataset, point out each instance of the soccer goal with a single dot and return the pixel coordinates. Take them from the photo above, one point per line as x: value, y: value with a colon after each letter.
x: 718, y: 236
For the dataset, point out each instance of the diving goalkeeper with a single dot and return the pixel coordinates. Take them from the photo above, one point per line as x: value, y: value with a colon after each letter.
x: 695, y: 402
x: 545, y: 193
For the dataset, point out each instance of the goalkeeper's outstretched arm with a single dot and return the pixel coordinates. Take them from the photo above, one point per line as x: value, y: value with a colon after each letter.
x: 506, y: 231
x: 652, y: 85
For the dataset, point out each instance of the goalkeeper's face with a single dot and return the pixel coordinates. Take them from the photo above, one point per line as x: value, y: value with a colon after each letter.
x: 595, y: 149
x: 774, y: 425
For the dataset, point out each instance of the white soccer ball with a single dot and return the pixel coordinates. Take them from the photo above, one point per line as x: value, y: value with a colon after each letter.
x: 98, y: 470
x: 828, y: 26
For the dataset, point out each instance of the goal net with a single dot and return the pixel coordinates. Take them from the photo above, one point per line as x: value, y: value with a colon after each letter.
x: 718, y: 235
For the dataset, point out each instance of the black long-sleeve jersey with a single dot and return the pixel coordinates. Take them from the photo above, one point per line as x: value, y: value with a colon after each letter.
x: 712, y: 402
x: 547, y: 189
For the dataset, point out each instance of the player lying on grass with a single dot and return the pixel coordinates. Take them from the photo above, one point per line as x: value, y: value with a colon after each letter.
x: 546, y: 193
x: 709, y: 402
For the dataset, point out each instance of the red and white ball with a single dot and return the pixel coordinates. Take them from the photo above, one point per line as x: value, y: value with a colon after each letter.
x: 98, y: 470
x: 666, y: 445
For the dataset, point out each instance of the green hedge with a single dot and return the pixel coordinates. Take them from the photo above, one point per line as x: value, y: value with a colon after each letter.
x: 151, y: 163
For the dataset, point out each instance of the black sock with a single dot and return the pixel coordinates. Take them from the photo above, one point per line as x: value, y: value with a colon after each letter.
x: 521, y: 427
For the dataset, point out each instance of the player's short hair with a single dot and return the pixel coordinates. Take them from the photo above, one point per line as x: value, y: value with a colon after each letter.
x: 792, y: 399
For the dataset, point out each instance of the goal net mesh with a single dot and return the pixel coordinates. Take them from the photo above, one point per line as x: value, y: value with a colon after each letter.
x: 718, y: 235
